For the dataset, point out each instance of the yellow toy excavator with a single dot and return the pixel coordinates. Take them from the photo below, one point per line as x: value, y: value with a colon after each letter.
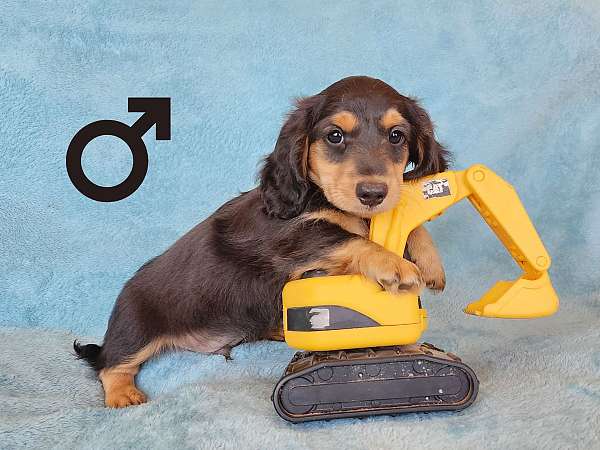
x: 361, y: 355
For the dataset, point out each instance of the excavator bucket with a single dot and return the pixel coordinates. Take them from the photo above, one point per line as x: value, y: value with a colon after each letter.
x: 518, y: 299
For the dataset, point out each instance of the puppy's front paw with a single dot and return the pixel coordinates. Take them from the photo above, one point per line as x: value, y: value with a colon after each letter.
x: 395, y: 274
x: 434, y: 277
x: 423, y: 253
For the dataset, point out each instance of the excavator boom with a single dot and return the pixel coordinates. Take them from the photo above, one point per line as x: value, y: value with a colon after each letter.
x: 531, y: 295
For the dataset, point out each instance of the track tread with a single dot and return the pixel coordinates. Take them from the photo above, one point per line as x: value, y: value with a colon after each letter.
x: 373, y: 381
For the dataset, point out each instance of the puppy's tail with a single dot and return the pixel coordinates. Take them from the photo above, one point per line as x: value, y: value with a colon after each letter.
x: 92, y: 353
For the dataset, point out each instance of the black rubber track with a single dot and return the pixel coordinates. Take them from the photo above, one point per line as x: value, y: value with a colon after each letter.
x: 374, y: 381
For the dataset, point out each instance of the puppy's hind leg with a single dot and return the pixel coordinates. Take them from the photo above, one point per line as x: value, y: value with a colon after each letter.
x: 119, y: 381
x: 119, y: 387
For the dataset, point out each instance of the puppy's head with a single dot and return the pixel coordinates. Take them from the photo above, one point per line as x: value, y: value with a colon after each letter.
x: 354, y: 142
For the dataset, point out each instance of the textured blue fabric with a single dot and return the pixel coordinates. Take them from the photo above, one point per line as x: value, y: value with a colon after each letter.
x: 514, y: 85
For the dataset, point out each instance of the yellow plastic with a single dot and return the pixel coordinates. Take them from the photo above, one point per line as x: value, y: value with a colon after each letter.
x: 401, y: 321
x: 401, y: 318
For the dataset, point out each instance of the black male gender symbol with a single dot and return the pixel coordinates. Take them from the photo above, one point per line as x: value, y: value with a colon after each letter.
x: 157, y: 110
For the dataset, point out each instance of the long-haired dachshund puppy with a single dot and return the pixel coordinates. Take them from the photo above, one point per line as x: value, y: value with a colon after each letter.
x: 340, y: 158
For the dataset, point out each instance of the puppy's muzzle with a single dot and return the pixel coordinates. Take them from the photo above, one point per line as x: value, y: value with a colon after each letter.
x: 371, y: 194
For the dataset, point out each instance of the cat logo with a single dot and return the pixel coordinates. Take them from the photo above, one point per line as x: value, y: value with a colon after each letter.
x: 436, y: 188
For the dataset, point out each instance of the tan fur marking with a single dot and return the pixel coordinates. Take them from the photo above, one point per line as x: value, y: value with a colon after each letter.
x: 346, y: 120
x: 361, y: 256
x: 119, y: 381
x: 338, y: 181
x: 119, y: 387
x: 392, y: 118
x: 350, y: 223
x: 398, y: 173
x: 424, y: 254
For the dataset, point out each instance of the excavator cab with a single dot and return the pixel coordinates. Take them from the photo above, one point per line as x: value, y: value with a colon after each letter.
x: 360, y: 353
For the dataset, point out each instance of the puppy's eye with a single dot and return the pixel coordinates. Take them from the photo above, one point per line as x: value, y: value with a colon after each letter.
x: 396, y: 136
x: 335, y: 137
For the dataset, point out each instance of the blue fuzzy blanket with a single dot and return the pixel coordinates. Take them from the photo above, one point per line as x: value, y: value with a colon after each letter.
x: 514, y: 85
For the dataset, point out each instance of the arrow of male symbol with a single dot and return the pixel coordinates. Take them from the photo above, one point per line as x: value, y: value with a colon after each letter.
x: 157, y: 111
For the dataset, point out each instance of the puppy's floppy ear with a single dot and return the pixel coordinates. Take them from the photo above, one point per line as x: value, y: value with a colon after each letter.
x: 426, y: 154
x: 284, y: 183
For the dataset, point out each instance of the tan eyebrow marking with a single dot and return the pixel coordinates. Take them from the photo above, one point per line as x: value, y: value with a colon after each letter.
x: 346, y: 120
x: 391, y: 118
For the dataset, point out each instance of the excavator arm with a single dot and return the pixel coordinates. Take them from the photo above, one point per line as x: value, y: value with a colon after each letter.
x: 532, y: 294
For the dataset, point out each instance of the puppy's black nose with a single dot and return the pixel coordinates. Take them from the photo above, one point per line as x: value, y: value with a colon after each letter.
x: 371, y: 194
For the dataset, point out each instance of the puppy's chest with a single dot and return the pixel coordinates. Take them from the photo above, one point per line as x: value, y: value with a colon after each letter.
x: 348, y: 222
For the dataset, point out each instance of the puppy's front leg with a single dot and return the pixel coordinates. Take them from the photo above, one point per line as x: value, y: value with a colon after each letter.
x: 422, y: 251
x: 359, y: 255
